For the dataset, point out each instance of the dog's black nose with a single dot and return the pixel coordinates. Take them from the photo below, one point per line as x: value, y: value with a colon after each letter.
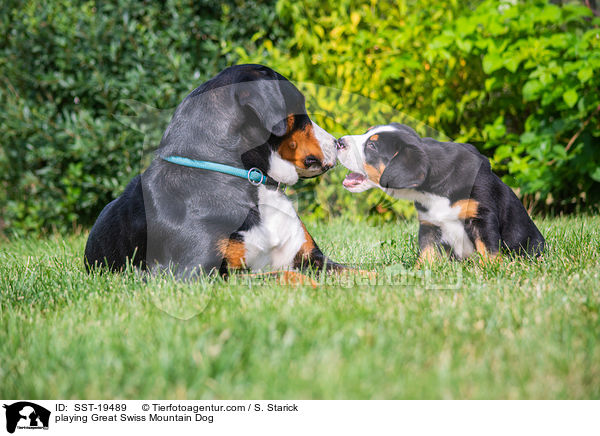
x: 339, y: 144
x: 311, y: 160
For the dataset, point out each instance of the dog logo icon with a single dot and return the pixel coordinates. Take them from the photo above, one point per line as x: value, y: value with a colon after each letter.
x: 26, y: 415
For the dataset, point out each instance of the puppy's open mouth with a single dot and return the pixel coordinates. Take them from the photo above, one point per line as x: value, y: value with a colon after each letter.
x: 353, y: 180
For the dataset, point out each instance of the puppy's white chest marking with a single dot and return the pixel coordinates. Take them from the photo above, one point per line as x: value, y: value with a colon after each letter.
x: 439, y: 212
x: 274, y: 242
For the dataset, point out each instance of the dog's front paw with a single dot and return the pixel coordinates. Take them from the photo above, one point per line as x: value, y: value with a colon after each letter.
x: 295, y: 278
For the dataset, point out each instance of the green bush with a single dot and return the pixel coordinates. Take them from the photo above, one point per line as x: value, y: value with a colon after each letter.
x: 66, y: 69
x: 518, y: 79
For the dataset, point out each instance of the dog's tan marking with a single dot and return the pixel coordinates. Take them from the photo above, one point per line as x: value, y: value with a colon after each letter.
x: 468, y: 208
x: 233, y: 252
x: 426, y: 223
x: 485, y: 255
x: 291, y: 119
x: 373, y: 173
x: 307, y: 248
x: 299, y: 144
x: 428, y: 255
x: 480, y: 247
x: 374, y: 138
x: 295, y: 278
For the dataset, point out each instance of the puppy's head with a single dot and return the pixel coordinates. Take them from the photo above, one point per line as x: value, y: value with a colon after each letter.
x: 298, y: 146
x: 389, y: 156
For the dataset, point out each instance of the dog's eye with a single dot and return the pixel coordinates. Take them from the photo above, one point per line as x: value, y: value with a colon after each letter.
x: 371, y: 145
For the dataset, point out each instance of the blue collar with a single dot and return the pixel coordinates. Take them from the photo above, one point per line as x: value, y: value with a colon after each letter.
x: 253, y: 175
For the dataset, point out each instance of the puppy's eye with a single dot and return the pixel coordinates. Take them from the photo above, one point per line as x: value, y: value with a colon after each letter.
x: 371, y: 145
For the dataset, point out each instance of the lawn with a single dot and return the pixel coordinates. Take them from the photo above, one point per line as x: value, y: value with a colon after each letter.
x: 519, y: 329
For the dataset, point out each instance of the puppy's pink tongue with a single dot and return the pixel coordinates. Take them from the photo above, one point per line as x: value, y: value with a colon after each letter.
x: 353, y: 179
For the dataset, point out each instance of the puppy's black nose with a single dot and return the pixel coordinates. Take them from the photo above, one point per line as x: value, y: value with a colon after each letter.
x: 339, y: 144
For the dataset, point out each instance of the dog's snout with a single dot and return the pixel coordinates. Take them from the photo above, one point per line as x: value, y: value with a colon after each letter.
x: 340, y: 144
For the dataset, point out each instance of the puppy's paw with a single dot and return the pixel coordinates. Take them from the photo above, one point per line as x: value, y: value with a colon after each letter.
x: 490, y: 259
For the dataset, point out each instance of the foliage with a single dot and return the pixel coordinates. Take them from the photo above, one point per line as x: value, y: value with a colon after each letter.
x: 66, y: 69
x: 519, y: 79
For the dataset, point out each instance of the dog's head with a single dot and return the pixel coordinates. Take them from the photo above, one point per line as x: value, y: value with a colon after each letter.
x: 298, y: 147
x: 252, y: 113
x: 388, y: 156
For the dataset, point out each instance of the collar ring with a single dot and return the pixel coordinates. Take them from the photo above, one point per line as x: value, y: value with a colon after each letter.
x: 251, y: 173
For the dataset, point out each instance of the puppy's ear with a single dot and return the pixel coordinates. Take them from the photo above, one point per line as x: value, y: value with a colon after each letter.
x: 407, y: 169
x: 265, y: 99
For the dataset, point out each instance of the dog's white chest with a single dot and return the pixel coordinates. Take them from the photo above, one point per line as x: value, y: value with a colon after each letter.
x: 440, y: 213
x: 274, y: 242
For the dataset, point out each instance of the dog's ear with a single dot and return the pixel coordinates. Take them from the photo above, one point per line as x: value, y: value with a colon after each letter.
x: 265, y: 99
x: 407, y: 169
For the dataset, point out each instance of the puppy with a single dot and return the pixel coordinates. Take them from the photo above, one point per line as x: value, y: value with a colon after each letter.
x: 192, y: 220
x: 463, y: 206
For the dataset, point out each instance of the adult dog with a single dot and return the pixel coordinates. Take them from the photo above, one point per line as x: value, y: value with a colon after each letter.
x: 463, y: 206
x: 187, y: 219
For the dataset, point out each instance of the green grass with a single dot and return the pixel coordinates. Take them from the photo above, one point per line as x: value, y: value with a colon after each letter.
x: 520, y: 329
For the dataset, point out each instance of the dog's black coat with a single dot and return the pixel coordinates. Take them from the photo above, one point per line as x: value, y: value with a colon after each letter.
x: 120, y: 230
x: 177, y: 217
x: 491, y: 213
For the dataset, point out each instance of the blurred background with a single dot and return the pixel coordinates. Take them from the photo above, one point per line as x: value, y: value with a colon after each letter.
x: 85, y: 86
